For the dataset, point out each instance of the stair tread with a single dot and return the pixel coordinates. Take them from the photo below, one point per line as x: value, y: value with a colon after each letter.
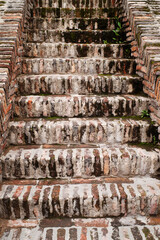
x: 79, y: 59
x: 68, y: 31
x: 102, y: 120
x: 77, y: 147
x: 145, y: 182
x: 69, y: 18
x: 124, y: 96
x: 128, y: 76
x: 79, y: 44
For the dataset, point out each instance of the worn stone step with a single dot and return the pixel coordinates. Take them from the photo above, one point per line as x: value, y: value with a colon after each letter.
x: 76, y: 4
x: 72, y: 36
x: 69, y: 50
x: 80, y: 130
x: 75, y: 13
x: 80, y: 106
x: 78, y: 66
x: 72, y: 24
x: 79, y: 162
x: 104, y: 232
x: 78, y: 84
x: 137, y: 197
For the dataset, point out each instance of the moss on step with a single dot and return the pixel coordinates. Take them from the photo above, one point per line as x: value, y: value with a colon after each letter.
x: 133, y: 117
x: 2, y: 3
x: 147, y: 233
x: 138, y: 37
x: 54, y: 118
x: 36, y: 118
x: 127, y: 51
x: 105, y: 75
x: 157, y: 44
x: 146, y: 146
x: 145, y: 8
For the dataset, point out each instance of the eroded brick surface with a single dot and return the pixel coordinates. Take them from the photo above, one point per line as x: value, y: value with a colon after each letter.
x: 80, y: 130
x: 78, y: 233
x: 78, y: 96
x: 83, y: 162
x: 80, y: 106
x: 80, y: 200
x: 78, y: 84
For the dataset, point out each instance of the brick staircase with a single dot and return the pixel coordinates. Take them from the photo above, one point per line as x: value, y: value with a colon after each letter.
x: 76, y: 168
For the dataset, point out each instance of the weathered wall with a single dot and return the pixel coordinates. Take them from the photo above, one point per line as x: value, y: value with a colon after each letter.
x: 143, y: 19
x: 12, y: 20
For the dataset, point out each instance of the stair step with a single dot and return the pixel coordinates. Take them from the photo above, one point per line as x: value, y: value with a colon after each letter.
x: 75, y: 13
x: 80, y: 130
x: 79, y: 66
x: 135, y: 232
x: 105, y: 161
x: 79, y: 84
x: 76, y: 4
x: 139, y: 197
x: 72, y: 24
x: 71, y: 36
x: 80, y: 106
x: 69, y: 50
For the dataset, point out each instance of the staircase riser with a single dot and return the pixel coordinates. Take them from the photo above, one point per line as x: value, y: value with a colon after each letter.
x: 81, y: 66
x: 50, y: 36
x: 83, y: 200
x: 87, y: 233
x: 101, y: 13
x: 51, y: 50
x: 72, y: 24
x: 83, y: 163
x: 78, y: 131
x: 79, y: 106
x: 76, y: 4
x: 78, y: 84
x: 66, y: 157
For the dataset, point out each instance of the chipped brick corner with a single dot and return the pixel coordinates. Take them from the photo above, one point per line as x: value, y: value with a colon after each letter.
x: 143, y: 25
x: 12, y: 21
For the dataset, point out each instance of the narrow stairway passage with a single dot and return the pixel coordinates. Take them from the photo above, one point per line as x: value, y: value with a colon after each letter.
x: 83, y: 163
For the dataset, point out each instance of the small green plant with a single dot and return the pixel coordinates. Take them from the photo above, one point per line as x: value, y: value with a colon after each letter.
x: 145, y: 113
x: 105, y: 41
x: 154, y: 140
x: 127, y: 53
x: 152, y: 123
x: 118, y: 32
x: 118, y: 29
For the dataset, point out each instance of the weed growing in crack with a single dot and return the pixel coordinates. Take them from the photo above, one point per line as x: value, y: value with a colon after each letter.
x: 145, y: 113
x: 118, y: 31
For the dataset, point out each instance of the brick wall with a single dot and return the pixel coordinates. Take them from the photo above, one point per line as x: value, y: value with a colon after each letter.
x: 143, y: 19
x: 12, y: 21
